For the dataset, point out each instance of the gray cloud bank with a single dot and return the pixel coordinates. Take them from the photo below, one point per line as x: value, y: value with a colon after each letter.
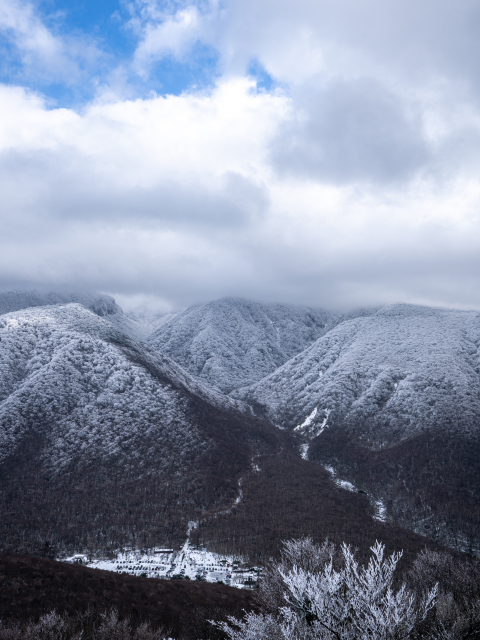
x: 350, y: 131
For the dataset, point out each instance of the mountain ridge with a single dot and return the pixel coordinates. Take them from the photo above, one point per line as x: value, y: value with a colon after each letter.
x: 133, y: 446
x: 364, y: 365
x: 83, y: 405
x: 232, y: 341
x: 377, y: 393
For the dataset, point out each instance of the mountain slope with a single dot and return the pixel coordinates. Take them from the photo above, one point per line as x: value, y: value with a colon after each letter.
x: 403, y: 369
x: 118, y: 436
x: 104, y: 444
x: 232, y: 342
x: 59, y: 367
x: 100, y: 304
x: 364, y: 393
x: 16, y: 300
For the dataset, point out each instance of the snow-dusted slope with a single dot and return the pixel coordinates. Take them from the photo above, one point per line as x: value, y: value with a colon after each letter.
x: 391, y: 404
x: 105, y: 442
x: 101, y: 304
x: 404, y: 369
x: 15, y: 300
x: 150, y: 321
x: 103, y: 439
x: 232, y: 342
x: 62, y: 374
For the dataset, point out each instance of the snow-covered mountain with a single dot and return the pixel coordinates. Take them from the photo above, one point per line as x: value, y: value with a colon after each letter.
x: 63, y: 373
x: 102, y: 305
x: 90, y: 414
x: 391, y: 402
x: 230, y: 343
x: 106, y: 441
x: 404, y: 369
x: 15, y: 300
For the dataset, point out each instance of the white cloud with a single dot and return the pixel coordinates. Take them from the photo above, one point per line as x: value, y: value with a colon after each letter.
x: 45, y: 55
x: 356, y: 183
x: 173, y: 36
x: 175, y: 197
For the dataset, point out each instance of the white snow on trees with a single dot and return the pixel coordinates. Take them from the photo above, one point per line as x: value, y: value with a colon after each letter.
x: 402, y: 369
x: 64, y: 377
x: 327, y: 597
x: 230, y: 343
x: 102, y: 305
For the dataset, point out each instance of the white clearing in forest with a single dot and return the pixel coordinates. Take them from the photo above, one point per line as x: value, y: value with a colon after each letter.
x: 188, y: 563
x: 324, y: 424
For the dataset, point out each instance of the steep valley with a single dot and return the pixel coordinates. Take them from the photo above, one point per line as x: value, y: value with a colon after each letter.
x: 107, y: 443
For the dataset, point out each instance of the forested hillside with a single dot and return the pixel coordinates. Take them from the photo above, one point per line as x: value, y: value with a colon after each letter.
x: 232, y: 342
x: 30, y: 587
x: 107, y: 442
x: 104, y: 443
x: 392, y: 403
x: 102, y: 305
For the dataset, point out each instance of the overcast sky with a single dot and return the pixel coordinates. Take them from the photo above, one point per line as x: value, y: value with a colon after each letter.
x: 323, y: 152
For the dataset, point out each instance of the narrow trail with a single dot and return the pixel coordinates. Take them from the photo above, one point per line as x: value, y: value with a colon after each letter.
x: 193, y: 524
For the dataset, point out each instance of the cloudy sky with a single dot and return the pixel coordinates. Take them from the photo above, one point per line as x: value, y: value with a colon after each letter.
x: 324, y: 152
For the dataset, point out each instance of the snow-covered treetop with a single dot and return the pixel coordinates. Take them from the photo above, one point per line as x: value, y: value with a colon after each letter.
x: 15, y: 300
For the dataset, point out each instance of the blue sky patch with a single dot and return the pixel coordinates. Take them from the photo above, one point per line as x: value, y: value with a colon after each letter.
x: 98, y: 41
x: 198, y: 71
x: 264, y: 80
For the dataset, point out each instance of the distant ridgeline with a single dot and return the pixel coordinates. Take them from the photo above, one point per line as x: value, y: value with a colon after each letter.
x: 259, y: 422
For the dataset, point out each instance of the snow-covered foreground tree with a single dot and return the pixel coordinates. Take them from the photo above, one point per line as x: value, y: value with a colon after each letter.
x: 319, y: 593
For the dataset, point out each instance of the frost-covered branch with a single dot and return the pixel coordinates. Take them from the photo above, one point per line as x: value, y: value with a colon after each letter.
x: 337, y: 600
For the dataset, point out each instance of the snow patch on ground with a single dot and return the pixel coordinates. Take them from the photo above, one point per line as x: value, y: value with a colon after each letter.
x: 239, y: 498
x: 324, y: 424
x: 343, y: 484
x: 379, y: 505
x: 380, y: 511
x: 308, y: 420
x: 308, y: 427
x: 187, y: 563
